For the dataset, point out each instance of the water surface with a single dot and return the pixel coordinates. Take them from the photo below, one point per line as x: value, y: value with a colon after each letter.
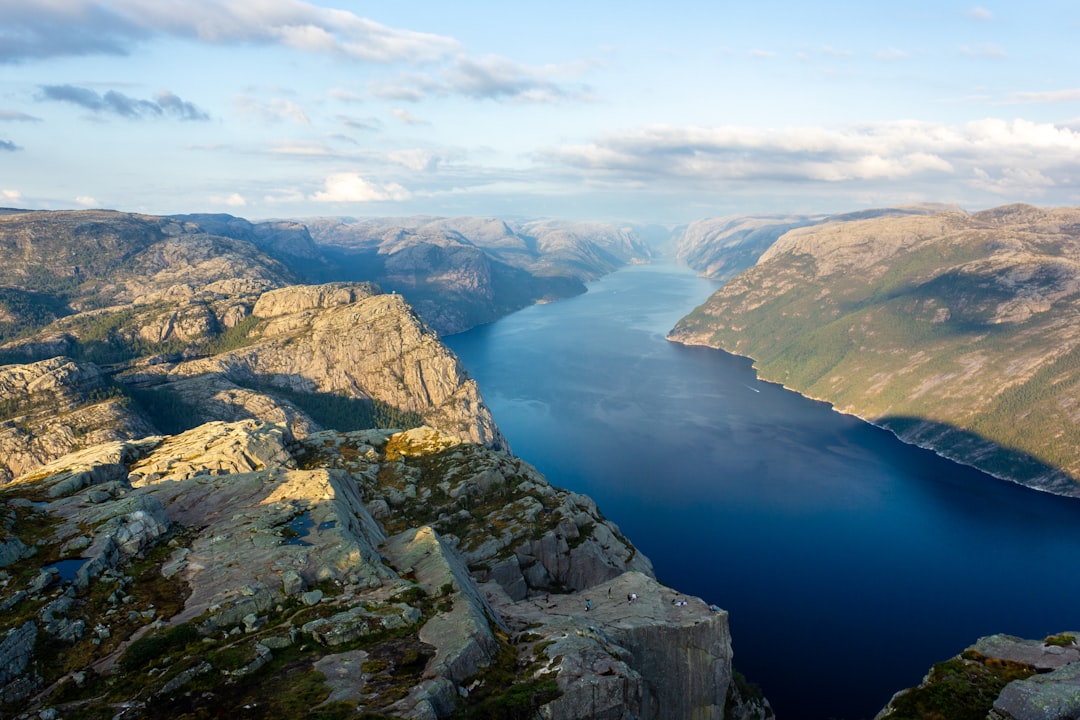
x: 849, y: 561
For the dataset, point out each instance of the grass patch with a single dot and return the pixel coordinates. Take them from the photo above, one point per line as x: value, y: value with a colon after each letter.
x: 963, y: 688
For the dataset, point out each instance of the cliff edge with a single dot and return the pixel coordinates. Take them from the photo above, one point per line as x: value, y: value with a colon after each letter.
x: 234, y: 569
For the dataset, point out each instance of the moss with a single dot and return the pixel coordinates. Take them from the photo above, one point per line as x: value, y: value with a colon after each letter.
x: 962, y: 688
x: 148, y: 649
x: 1061, y: 640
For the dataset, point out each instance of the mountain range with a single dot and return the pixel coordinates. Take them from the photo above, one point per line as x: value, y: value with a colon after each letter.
x: 956, y: 331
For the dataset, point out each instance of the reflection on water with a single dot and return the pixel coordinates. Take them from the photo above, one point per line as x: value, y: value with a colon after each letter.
x: 849, y: 561
x: 68, y: 569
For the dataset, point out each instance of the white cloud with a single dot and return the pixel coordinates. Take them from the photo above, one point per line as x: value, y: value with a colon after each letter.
x: 408, y: 118
x: 1008, y: 152
x: 350, y: 187
x: 84, y: 27
x: 273, y: 110
x: 346, y: 96
x: 14, y: 195
x: 415, y: 159
x: 17, y: 116
x: 488, y: 78
x: 762, y: 54
x: 1012, y: 182
x: 86, y: 201
x: 232, y: 200
x: 830, y: 51
x: 1046, y: 96
x: 980, y: 13
x: 295, y: 147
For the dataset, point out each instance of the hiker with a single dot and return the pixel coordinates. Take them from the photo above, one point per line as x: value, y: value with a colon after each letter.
x: 588, y: 604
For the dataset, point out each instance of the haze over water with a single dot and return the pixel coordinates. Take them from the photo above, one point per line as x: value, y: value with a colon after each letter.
x: 849, y: 561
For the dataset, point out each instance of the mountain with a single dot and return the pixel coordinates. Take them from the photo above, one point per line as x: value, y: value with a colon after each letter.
x: 129, y: 325
x: 228, y: 493
x: 462, y: 272
x: 954, y: 330
x: 722, y: 247
x: 457, y: 272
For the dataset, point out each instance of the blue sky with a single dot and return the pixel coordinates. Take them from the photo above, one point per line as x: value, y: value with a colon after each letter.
x: 625, y: 111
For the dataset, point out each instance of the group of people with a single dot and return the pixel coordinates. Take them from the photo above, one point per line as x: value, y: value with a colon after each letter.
x: 631, y: 597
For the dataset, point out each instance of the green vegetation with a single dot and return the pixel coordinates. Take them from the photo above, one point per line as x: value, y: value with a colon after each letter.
x: 963, y: 688
x: 148, y: 649
x: 109, y: 337
x: 942, y: 333
x: 238, y: 336
x: 11, y: 407
x: 27, y: 311
x: 1061, y: 640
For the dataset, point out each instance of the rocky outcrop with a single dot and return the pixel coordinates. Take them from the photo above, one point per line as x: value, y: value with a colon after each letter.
x: 343, y: 340
x: 292, y: 300
x: 650, y: 656
x: 373, y: 557
x: 55, y: 406
x: 1000, y: 677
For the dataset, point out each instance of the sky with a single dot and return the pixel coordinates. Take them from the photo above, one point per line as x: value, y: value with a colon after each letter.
x: 617, y: 111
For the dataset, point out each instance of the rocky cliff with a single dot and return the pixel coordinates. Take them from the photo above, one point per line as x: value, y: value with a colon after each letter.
x: 946, y: 328
x: 234, y: 569
x: 51, y: 407
x: 342, y: 340
x: 1000, y: 677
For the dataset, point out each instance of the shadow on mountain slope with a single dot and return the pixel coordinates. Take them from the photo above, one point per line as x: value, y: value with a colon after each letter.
x: 969, y: 448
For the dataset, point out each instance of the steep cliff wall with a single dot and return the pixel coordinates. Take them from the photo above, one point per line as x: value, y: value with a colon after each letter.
x: 342, y: 339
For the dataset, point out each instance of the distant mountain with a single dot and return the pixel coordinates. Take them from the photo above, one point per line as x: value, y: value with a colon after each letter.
x: 956, y: 331
x: 457, y: 272
x: 461, y: 272
x: 722, y: 247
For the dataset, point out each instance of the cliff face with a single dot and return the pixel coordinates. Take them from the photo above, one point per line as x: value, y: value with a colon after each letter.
x: 52, y: 407
x: 233, y: 568
x: 945, y: 328
x: 310, y: 357
x: 345, y: 340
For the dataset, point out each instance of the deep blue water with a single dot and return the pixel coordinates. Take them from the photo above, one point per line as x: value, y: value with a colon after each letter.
x: 849, y: 561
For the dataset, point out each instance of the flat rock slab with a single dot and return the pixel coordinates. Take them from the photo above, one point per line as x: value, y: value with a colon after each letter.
x: 1032, y: 652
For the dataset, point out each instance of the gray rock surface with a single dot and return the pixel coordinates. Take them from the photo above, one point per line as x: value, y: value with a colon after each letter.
x: 267, y: 543
x: 1053, y: 696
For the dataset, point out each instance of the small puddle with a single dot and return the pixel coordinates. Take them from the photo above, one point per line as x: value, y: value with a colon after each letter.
x: 327, y: 525
x: 68, y: 569
x: 297, y: 529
